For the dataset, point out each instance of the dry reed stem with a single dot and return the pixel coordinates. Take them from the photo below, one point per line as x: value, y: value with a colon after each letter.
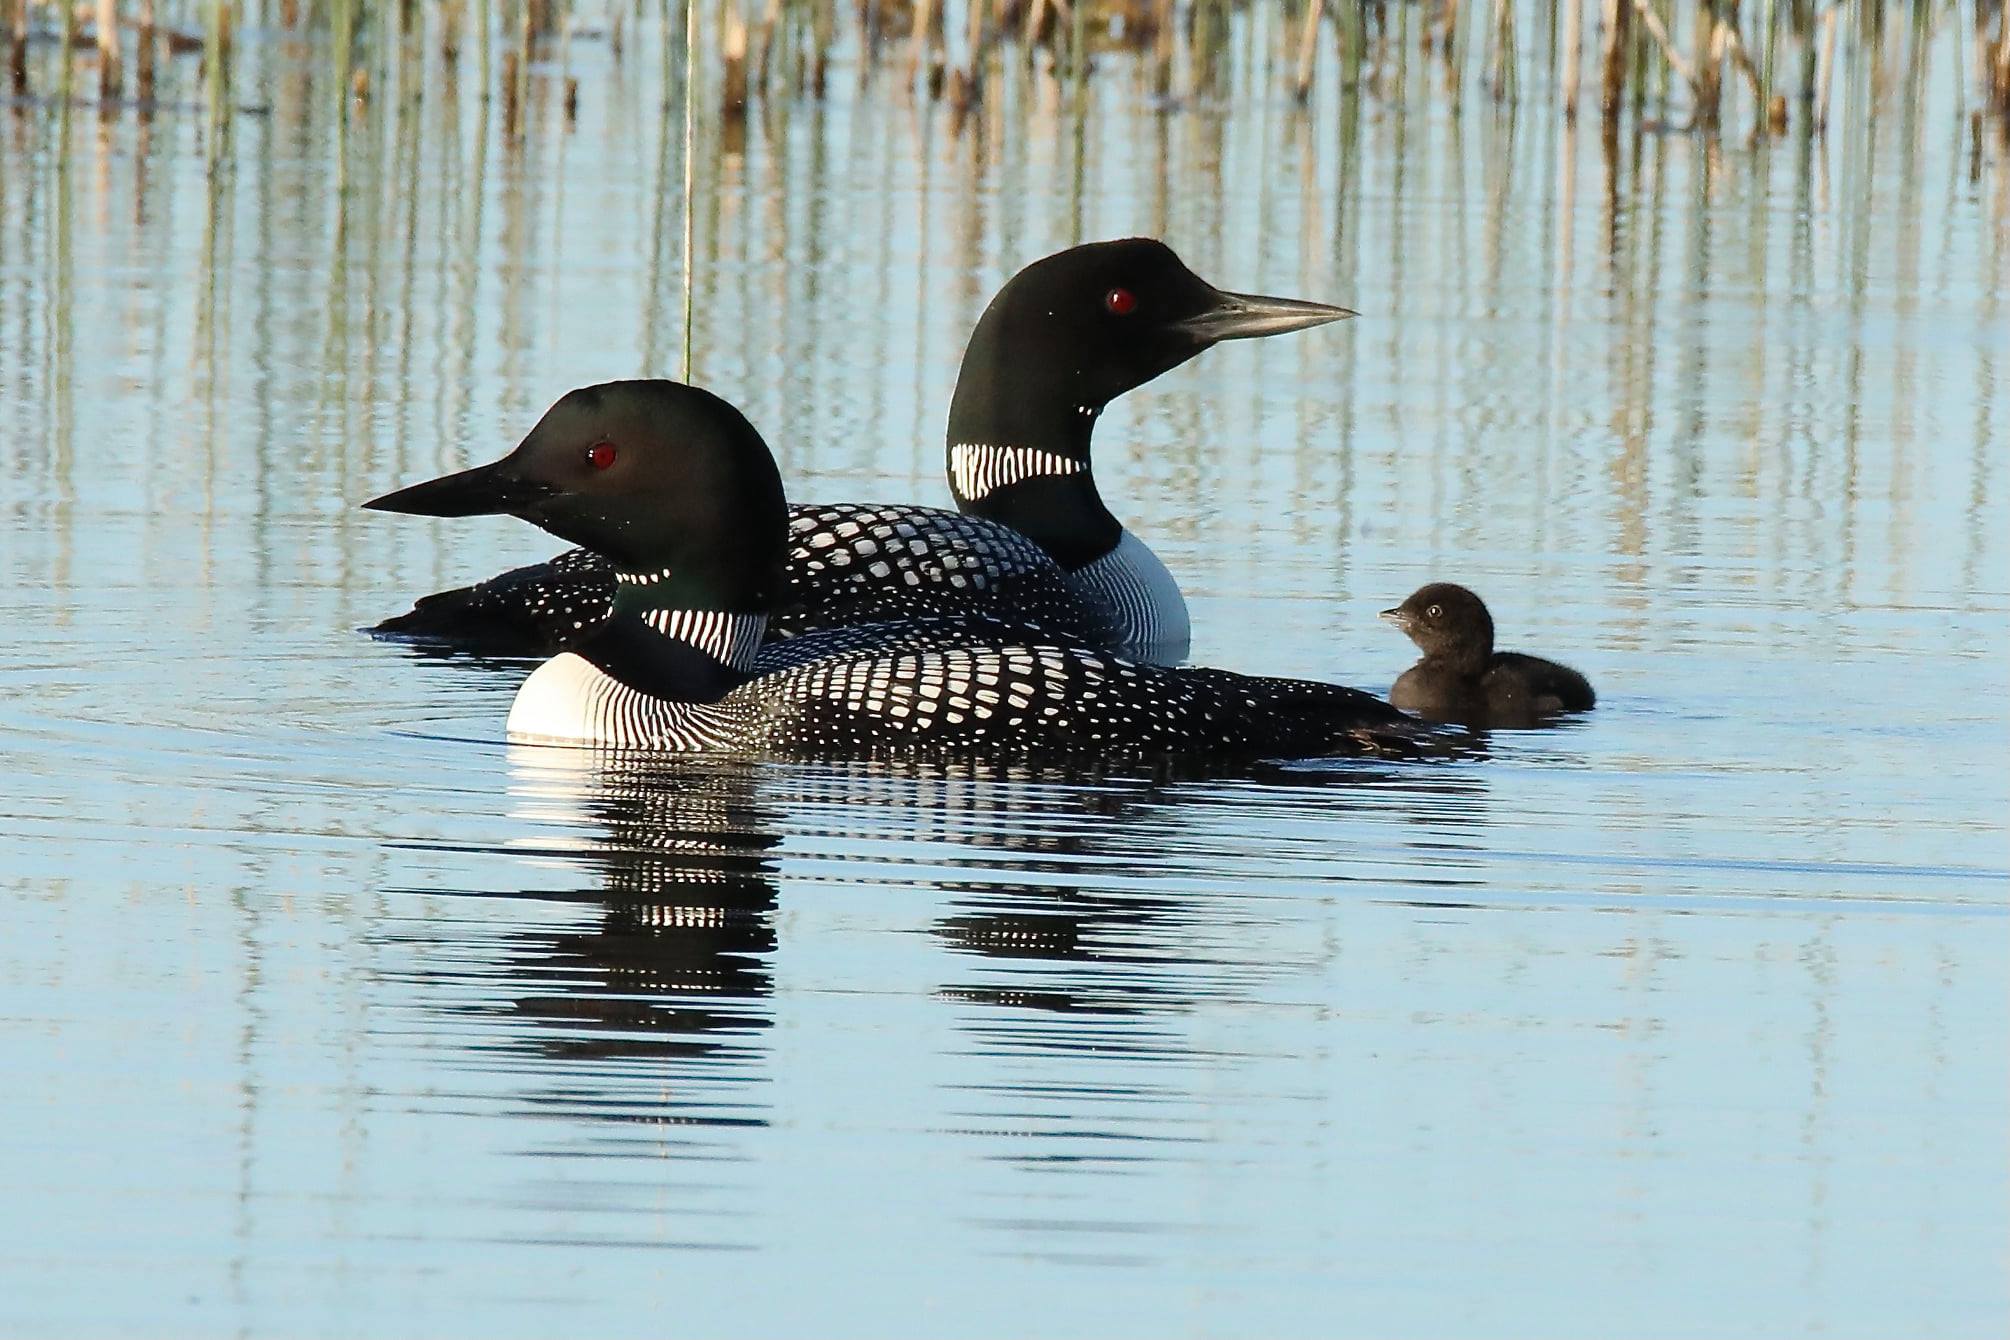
x: 1613, y: 54
x: 733, y: 47
x: 1659, y: 32
x: 1308, y: 49
x: 1825, y: 67
x: 144, y: 52
x: 2003, y: 59
x: 1036, y: 23
x: 1573, y: 39
x: 111, y: 75
x: 509, y: 91
x: 917, y: 39
x: 17, y: 48
x: 1163, y: 49
x: 1742, y: 60
x: 771, y: 21
x: 966, y: 87
x: 1503, y: 68
x: 522, y: 80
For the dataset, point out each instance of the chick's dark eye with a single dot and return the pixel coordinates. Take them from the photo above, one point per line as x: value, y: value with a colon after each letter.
x: 1120, y: 302
x: 601, y: 455
x: 1433, y: 612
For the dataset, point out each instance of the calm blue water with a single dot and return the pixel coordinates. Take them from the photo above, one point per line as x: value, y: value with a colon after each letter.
x: 324, y: 1012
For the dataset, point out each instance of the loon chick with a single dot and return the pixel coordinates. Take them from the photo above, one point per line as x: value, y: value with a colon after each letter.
x: 1463, y: 679
x: 681, y: 495
x: 1032, y: 543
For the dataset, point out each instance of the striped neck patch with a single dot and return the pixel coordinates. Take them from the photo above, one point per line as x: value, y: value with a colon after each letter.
x: 727, y: 637
x: 978, y: 468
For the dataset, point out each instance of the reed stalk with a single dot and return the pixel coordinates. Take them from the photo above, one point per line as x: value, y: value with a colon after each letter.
x: 1037, y: 20
x: 821, y: 27
x: 1573, y: 40
x: 64, y: 71
x: 111, y: 73
x: 146, y: 50
x: 563, y: 19
x: 16, y: 13
x: 1308, y: 49
x: 1164, y: 48
x: 1654, y: 53
x: 1825, y: 66
x: 1612, y: 56
x: 733, y: 51
x: 764, y: 49
x: 451, y: 15
x: 519, y: 84
x: 966, y: 84
x: 217, y: 53
x: 690, y: 166
x: 1741, y: 58
x: 1505, y: 55
x: 484, y: 25
x: 1709, y: 71
x: 2002, y: 65
x: 1659, y: 32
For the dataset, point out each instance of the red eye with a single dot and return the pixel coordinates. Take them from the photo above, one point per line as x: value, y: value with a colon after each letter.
x: 600, y: 455
x: 1120, y: 302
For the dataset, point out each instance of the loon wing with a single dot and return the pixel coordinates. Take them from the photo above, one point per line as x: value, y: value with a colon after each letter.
x: 849, y: 564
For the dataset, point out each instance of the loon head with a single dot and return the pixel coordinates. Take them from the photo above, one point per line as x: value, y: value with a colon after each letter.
x: 1447, y: 621
x: 1075, y: 330
x: 657, y: 476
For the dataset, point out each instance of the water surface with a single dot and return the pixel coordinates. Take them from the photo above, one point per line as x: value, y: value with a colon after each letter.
x: 323, y: 1011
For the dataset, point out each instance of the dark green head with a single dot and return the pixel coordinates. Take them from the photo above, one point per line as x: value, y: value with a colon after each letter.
x: 655, y: 475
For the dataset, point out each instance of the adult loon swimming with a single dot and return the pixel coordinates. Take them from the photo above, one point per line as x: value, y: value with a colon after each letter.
x: 1463, y: 679
x: 680, y: 493
x: 1032, y: 543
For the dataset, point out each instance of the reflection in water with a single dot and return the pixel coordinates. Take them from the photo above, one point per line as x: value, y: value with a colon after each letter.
x: 689, y: 914
x: 657, y: 1007
x: 668, y: 981
x: 1100, y: 936
x: 1085, y: 1002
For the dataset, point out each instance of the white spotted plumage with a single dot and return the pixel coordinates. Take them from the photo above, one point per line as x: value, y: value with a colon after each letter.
x: 952, y: 687
x: 851, y: 564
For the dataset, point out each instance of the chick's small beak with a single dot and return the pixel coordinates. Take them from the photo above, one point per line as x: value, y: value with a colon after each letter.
x: 1396, y: 617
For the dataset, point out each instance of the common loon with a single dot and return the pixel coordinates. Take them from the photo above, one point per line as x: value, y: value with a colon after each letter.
x: 1032, y: 542
x: 680, y: 493
x: 1462, y: 679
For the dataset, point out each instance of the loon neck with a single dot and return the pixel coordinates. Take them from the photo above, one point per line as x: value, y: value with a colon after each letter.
x: 661, y: 644
x: 1029, y: 469
x: 1468, y: 660
x: 1019, y: 432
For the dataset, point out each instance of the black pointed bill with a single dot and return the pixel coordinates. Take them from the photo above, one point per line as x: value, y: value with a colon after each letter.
x: 1396, y: 616
x: 1245, y: 316
x: 484, y: 490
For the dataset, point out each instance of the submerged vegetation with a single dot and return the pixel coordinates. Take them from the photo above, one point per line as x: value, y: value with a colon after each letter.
x: 1757, y: 66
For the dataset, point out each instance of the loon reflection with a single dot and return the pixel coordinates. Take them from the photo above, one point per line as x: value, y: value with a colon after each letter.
x: 1091, y: 918
x: 652, y: 1010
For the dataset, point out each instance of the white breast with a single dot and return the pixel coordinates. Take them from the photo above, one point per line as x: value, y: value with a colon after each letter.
x: 569, y: 700
x: 1150, y: 612
x: 564, y: 700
